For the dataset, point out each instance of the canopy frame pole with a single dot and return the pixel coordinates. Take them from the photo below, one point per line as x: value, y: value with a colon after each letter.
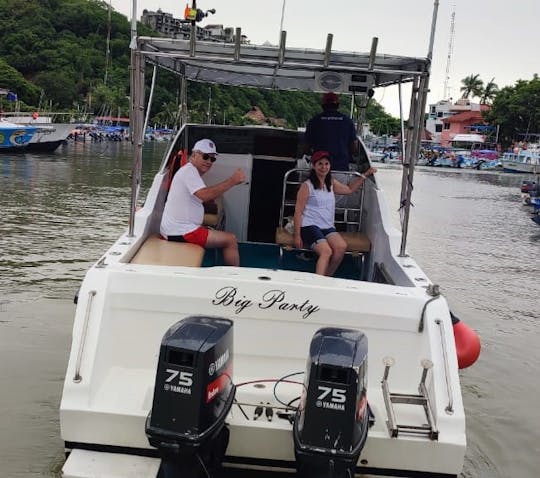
x: 328, y: 50
x: 401, y: 121
x: 183, y: 101
x: 418, y: 100
x: 150, y: 98
x: 137, y: 135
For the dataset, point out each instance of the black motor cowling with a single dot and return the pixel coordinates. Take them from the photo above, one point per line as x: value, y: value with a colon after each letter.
x: 193, y: 394
x: 331, y: 424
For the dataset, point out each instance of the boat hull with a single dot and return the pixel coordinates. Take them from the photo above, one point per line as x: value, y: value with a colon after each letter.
x: 14, y: 138
x: 45, y: 146
x: 520, y: 168
x: 526, y: 162
x: 49, y: 136
x: 106, y: 408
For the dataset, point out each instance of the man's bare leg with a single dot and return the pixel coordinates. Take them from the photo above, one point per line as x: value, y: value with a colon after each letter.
x: 227, y: 241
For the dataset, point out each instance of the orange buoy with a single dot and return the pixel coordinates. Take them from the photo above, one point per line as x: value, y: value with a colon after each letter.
x: 467, y: 343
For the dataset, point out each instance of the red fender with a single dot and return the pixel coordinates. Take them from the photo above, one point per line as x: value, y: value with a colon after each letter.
x: 467, y: 343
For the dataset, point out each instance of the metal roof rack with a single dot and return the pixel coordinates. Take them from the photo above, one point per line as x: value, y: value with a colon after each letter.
x: 279, y: 67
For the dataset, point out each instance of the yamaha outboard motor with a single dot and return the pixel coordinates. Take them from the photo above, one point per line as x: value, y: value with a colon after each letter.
x: 331, y: 424
x: 193, y: 394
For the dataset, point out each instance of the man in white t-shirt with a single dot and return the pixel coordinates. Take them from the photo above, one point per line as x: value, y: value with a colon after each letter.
x: 184, y: 211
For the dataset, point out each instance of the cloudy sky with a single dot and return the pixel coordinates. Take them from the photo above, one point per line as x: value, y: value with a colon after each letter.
x: 496, y: 39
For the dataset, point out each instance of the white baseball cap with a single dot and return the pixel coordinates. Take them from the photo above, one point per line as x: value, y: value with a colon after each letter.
x: 205, y: 146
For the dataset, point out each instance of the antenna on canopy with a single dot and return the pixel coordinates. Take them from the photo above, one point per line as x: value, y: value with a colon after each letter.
x: 282, y: 17
x: 133, y: 43
x: 446, y: 88
x: 194, y: 15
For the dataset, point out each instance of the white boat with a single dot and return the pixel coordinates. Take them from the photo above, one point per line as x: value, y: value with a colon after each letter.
x: 356, y: 374
x: 49, y: 134
x: 523, y: 161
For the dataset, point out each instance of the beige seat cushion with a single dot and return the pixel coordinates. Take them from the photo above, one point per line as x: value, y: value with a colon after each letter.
x: 356, y: 241
x: 159, y: 252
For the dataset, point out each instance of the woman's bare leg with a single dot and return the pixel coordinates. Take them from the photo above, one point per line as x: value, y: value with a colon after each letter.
x: 338, y: 246
x: 324, y: 251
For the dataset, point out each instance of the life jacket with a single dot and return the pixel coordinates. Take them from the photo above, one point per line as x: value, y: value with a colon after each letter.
x: 178, y: 160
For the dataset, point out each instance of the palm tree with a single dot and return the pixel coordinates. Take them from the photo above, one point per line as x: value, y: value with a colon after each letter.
x: 472, y: 85
x: 490, y: 92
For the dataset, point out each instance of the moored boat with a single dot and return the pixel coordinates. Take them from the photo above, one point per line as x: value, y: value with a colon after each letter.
x: 49, y: 134
x: 523, y: 161
x: 14, y: 137
x: 332, y: 376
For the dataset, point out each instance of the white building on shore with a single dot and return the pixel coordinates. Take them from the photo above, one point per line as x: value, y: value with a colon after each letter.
x: 444, y: 109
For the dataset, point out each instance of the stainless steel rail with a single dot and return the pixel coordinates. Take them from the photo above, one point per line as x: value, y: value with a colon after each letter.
x: 77, y: 378
x: 450, y: 407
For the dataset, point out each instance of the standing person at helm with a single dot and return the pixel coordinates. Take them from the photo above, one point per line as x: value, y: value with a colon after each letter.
x: 332, y: 131
x: 184, y: 211
x: 315, y: 210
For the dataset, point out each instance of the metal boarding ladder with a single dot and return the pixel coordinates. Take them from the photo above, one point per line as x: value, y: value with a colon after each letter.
x: 421, y: 399
x: 349, y: 216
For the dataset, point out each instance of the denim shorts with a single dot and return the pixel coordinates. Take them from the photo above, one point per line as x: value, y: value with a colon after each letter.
x: 312, y: 235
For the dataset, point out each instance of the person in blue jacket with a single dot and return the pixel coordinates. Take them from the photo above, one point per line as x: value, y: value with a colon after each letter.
x: 332, y: 131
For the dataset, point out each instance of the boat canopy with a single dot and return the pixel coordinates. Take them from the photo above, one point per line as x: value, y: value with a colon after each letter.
x: 281, y: 68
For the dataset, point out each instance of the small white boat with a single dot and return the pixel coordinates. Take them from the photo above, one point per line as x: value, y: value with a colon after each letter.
x: 523, y: 161
x: 332, y: 376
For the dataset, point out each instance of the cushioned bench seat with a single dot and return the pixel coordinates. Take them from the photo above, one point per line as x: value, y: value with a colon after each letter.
x: 356, y: 242
x: 159, y: 252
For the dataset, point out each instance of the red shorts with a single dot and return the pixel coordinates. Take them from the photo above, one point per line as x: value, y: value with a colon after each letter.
x: 199, y: 236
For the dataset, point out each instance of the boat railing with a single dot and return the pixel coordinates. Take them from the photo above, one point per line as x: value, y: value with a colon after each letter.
x: 77, y: 377
x: 349, y: 214
x: 450, y: 407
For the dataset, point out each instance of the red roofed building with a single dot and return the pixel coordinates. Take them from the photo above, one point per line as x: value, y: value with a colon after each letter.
x: 461, y: 123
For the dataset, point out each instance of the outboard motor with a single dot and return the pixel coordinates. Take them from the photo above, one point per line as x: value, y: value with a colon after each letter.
x: 331, y: 424
x: 193, y: 394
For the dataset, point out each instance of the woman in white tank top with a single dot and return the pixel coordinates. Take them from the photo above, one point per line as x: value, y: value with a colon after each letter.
x: 315, y: 210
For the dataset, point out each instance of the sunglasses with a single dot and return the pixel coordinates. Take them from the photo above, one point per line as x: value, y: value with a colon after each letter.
x: 208, y: 157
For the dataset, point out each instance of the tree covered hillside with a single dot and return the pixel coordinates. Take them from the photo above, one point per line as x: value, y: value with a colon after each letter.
x: 59, y: 47
x: 54, y: 52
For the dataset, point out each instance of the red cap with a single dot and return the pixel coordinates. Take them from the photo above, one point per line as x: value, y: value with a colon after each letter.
x: 330, y: 99
x: 318, y: 155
